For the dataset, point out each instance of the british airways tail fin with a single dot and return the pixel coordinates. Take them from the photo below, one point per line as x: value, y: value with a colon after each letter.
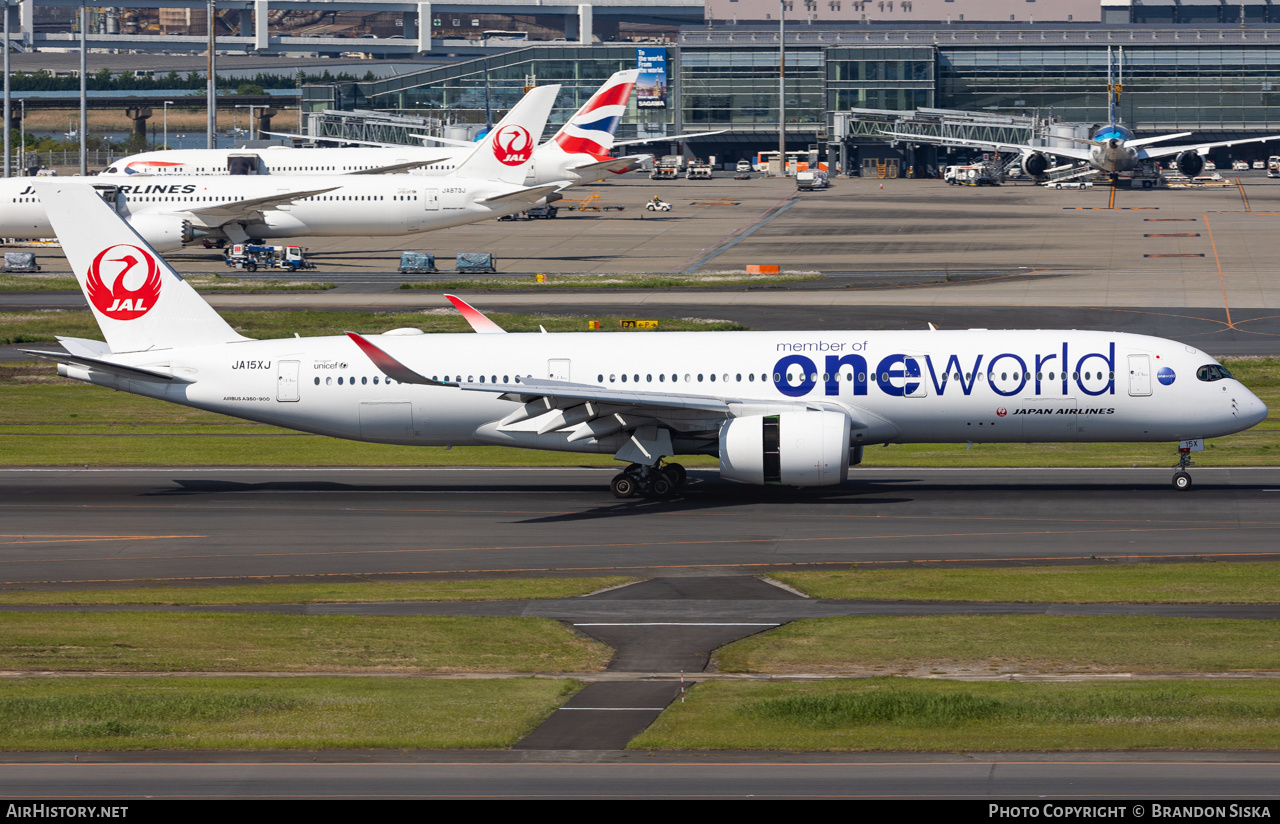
x: 591, y: 129
x: 506, y: 153
x: 139, y: 301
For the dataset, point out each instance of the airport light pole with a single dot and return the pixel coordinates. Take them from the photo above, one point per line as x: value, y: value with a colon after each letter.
x: 22, y: 138
x: 8, y: 112
x: 84, y: 89
x: 167, y: 104
x: 211, y: 138
x: 782, y: 84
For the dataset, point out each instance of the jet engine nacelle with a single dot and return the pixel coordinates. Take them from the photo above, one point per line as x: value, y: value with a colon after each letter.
x: 801, y: 448
x: 1190, y: 164
x: 163, y: 233
x: 1035, y: 164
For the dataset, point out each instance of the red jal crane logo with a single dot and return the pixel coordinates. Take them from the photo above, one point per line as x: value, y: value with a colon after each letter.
x: 114, y: 265
x: 513, y: 145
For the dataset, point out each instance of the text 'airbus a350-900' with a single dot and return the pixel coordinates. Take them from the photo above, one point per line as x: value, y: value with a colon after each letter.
x: 170, y: 211
x: 787, y: 408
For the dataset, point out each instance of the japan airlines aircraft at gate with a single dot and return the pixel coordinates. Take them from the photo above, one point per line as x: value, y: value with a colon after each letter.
x: 791, y: 408
x: 577, y: 153
x: 171, y: 211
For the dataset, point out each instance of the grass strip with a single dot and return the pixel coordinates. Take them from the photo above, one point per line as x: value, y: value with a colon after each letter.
x: 167, y: 642
x: 999, y: 644
x: 44, y: 324
x: 890, y: 714
x: 1244, y: 583
x: 619, y: 281
x: 58, y: 714
x: 202, y: 283
x: 488, y: 589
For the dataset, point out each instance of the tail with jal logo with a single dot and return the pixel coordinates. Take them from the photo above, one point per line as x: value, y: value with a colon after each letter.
x: 139, y: 301
x: 506, y: 153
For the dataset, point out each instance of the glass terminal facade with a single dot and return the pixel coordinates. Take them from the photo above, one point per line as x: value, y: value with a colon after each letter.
x: 1218, y: 82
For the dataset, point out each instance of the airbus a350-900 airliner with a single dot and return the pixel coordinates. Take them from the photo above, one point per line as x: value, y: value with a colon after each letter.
x: 789, y: 408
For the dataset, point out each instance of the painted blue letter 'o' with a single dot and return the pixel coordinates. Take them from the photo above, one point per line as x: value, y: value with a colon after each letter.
x: 807, y: 373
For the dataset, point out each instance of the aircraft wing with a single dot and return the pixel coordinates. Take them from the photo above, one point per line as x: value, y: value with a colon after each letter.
x: 399, y: 167
x: 100, y: 365
x: 666, y: 138
x: 530, y: 195
x: 314, y: 138
x: 593, y: 411
x: 1199, y: 148
x: 448, y: 141
x: 1022, y: 148
x: 220, y: 213
x: 616, y: 165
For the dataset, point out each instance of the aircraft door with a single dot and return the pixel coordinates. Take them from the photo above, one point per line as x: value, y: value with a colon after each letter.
x: 1139, y: 375
x: 284, y: 207
x: 246, y: 164
x: 558, y: 370
x: 431, y: 200
x: 287, y: 381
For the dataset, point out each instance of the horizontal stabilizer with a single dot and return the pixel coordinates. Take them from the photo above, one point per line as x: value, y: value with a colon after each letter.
x: 1147, y: 141
x: 617, y: 166
x: 136, y: 372
x: 530, y: 195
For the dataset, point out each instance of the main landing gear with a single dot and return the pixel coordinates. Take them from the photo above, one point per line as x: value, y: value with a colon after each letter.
x: 1181, y: 477
x: 660, y: 481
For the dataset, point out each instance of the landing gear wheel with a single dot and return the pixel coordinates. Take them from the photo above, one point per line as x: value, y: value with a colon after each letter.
x: 1181, y: 480
x: 675, y: 473
x: 623, y: 486
x: 660, y: 487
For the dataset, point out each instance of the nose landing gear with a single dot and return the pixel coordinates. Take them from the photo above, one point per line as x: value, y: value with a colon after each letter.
x: 1182, y: 478
x: 658, y: 481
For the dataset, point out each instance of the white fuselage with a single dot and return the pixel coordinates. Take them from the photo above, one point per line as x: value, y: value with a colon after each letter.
x: 357, y: 205
x: 894, y: 386
x: 550, y: 164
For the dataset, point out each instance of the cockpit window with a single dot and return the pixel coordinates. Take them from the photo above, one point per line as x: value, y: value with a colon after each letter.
x: 1212, y: 372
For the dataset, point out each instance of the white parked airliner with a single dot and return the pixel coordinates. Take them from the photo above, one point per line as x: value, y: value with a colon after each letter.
x: 578, y: 152
x: 790, y: 408
x: 174, y: 210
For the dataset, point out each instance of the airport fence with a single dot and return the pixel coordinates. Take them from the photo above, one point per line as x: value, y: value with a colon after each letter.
x: 97, y: 160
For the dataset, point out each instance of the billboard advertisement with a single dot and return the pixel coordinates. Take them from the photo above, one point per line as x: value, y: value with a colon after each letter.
x: 651, y: 87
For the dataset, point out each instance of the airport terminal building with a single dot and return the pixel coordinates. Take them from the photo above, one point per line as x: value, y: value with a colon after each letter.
x: 1219, y: 80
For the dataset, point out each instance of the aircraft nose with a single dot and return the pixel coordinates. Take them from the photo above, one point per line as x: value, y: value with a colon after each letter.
x: 1252, y: 410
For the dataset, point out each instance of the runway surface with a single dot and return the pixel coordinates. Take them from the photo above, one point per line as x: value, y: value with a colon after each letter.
x: 86, y: 527
x: 1221, y: 778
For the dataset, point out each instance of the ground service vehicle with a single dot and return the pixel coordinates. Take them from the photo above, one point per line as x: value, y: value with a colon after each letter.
x: 251, y: 257
x: 698, y: 171
x: 809, y: 180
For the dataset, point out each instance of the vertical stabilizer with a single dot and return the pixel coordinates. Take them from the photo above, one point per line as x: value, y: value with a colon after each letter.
x: 139, y: 301
x: 592, y: 128
x: 506, y: 153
